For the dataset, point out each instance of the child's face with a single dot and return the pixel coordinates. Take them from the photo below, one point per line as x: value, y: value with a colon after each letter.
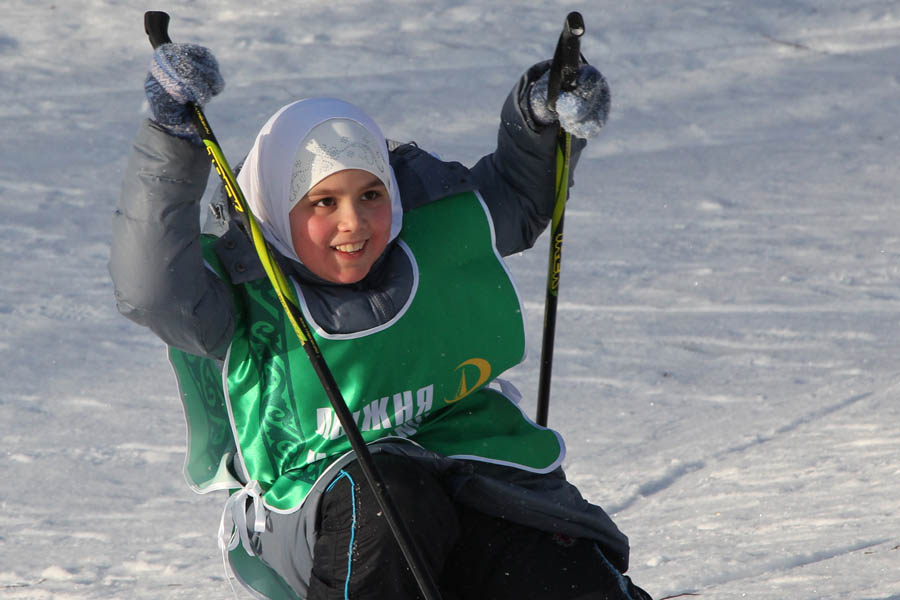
x: 342, y: 225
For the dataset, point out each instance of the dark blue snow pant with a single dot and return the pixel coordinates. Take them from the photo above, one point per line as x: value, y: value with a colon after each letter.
x: 472, y: 556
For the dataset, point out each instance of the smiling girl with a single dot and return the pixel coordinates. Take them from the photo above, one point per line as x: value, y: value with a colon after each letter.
x: 395, y: 258
x: 340, y: 227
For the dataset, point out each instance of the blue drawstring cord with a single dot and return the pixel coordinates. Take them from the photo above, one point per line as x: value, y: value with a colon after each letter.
x: 340, y: 476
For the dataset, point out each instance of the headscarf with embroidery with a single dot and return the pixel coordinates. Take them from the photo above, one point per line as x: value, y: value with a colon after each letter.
x: 300, y: 145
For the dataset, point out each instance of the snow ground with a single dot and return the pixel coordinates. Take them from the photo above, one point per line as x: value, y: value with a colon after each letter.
x: 729, y: 325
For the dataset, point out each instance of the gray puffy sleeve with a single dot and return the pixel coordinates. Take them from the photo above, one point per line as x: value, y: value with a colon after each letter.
x: 156, y: 261
x: 517, y: 180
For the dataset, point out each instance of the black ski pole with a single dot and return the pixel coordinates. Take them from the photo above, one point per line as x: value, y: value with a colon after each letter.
x: 156, y: 26
x: 563, y: 74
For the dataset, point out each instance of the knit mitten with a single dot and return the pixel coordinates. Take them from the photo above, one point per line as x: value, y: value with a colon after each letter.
x: 582, y: 112
x: 181, y: 73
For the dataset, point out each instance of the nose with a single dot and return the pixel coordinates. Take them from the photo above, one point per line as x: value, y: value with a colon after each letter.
x: 349, y: 216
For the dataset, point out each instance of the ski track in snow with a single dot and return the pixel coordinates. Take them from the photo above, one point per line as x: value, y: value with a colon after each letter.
x: 727, y: 338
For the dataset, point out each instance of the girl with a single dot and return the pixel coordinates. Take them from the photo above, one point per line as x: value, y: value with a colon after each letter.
x: 395, y: 260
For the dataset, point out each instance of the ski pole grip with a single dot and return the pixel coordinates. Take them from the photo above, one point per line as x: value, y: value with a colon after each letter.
x: 566, y: 59
x: 156, y: 25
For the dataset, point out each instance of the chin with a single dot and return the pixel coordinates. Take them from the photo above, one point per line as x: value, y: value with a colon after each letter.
x: 348, y: 278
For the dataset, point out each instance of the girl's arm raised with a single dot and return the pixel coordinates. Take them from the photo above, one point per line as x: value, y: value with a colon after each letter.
x: 156, y: 261
x: 517, y: 180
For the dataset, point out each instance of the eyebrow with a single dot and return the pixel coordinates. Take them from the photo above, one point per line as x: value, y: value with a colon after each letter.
x: 374, y: 182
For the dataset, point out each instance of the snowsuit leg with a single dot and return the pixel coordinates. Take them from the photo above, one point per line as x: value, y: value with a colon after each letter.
x: 356, y: 555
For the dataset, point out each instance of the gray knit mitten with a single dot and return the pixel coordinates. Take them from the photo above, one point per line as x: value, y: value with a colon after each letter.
x: 582, y: 112
x: 181, y: 73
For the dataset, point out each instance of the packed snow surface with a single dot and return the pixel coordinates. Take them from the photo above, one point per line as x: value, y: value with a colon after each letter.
x: 727, y: 364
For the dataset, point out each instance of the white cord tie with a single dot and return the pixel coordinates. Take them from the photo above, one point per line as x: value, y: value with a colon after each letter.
x: 235, y: 514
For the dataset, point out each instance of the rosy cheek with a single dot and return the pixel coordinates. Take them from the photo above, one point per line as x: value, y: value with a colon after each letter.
x: 313, y: 231
x: 302, y: 235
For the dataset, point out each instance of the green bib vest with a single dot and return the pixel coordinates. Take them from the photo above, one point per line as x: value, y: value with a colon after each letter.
x: 421, y: 376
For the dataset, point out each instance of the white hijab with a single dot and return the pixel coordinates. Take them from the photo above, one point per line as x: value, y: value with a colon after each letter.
x: 300, y: 145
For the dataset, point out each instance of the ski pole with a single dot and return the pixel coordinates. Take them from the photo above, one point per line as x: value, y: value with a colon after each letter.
x: 156, y: 26
x: 563, y: 74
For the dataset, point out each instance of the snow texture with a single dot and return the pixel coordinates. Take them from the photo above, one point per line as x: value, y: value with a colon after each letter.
x: 726, y: 370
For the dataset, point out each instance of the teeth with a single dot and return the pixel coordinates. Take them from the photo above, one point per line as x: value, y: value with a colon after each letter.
x: 355, y: 247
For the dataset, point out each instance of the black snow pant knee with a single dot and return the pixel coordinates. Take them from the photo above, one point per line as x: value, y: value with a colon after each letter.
x: 356, y: 554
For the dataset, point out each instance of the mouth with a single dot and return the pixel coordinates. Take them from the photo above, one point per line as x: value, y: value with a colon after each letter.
x: 351, y: 248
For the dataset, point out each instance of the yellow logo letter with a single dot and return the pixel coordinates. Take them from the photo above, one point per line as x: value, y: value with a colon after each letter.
x: 484, y: 373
